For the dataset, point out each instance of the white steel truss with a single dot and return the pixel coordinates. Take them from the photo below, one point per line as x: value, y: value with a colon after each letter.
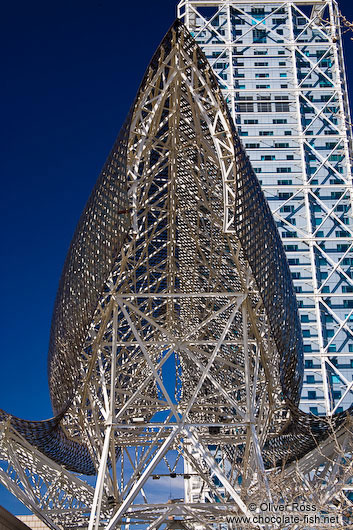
x: 284, y: 59
x: 47, y: 489
x: 180, y: 376
x: 179, y: 349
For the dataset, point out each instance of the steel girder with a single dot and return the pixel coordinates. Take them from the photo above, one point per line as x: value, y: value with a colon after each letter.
x: 313, y: 205
x: 188, y: 347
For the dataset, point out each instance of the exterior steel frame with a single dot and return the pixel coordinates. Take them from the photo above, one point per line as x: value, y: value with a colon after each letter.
x: 188, y: 349
x: 316, y: 240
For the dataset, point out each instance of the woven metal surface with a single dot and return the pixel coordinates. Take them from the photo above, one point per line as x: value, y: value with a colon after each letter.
x: 94, y: 251
x: 97, y: 240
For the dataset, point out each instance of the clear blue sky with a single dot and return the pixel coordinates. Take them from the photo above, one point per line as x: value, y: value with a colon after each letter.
x: 70, y: 71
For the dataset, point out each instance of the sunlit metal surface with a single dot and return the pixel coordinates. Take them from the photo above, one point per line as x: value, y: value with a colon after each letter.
x: 176, y: 263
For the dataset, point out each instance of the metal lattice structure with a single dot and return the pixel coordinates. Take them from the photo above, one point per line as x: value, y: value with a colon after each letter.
x: 176, y: 346
x: 280, y: 67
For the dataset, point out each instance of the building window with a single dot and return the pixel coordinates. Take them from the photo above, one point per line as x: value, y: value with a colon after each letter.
x: 314, y: 410
x: 311, y: 394
x: 284, y: 170
x: 220, y: 66
x: 262, y: 75
x: 341, y: 233
x: 347, y: 289
x: 284, y: 182
x: 266, y: 133
x: 310, y: 379
x: 264, y: 107
x: 342, y: 248
x: 246, y: 107
x: 282, y: 107
x: 258, y: 11
x: 309, y: 363
x: 259, y: 36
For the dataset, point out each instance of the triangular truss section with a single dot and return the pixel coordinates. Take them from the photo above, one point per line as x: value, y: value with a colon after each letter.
x: 192, y: 364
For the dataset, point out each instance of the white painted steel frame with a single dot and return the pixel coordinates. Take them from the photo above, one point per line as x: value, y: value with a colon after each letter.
x: 325, y: 20
x: 124, y: 391
x: 123, y: 386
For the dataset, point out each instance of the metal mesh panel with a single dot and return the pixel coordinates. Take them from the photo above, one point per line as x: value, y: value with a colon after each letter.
x: 100, y: 234
x: 97, y: 240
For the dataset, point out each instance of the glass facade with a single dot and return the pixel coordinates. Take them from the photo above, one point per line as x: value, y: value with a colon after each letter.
x: 281, y: 70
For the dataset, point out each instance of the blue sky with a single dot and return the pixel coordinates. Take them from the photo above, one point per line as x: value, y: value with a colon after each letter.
x: 70, y: 70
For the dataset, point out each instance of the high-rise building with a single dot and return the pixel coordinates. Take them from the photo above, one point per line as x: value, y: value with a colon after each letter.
x: 281, y: 70
x: 176, y: 347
